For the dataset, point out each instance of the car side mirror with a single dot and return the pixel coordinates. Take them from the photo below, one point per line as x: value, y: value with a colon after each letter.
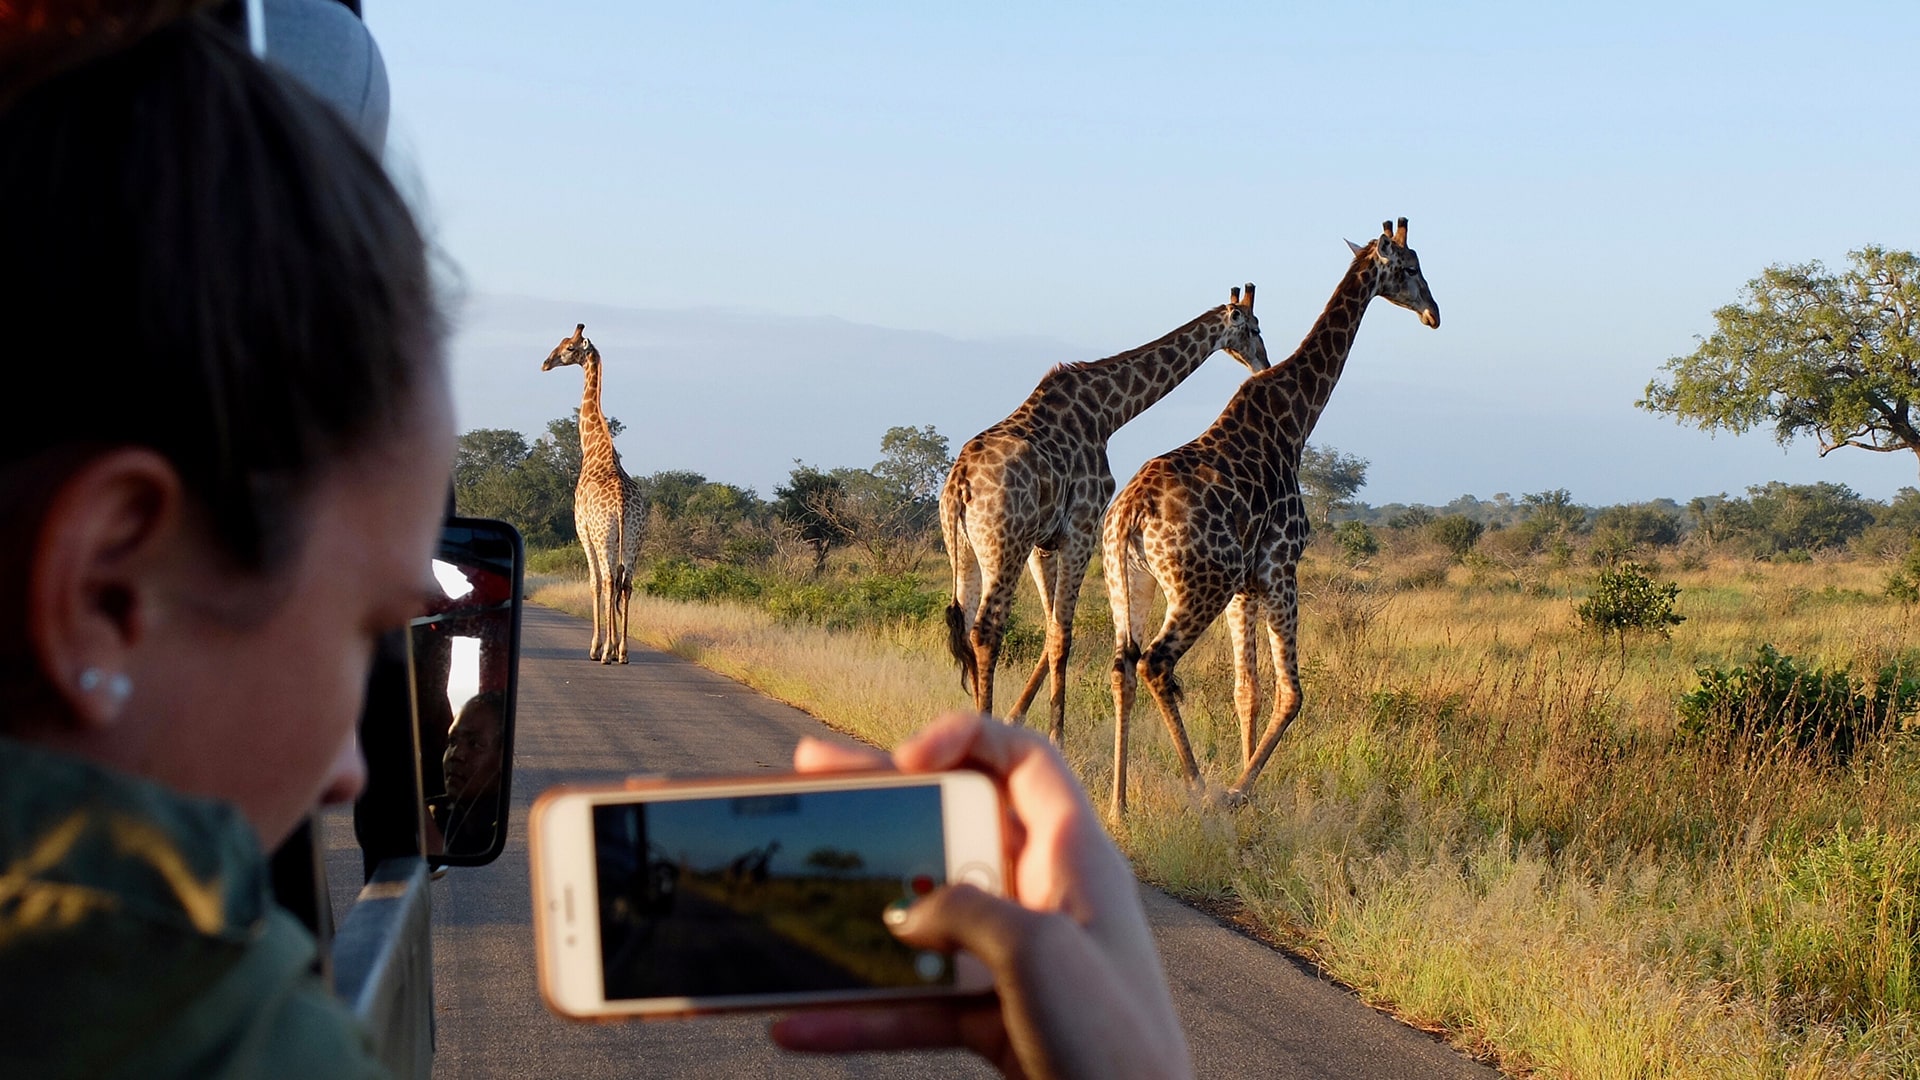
x: 464, y: 659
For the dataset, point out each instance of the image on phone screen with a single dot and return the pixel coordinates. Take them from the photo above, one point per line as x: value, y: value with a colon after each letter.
x: 765, y: 894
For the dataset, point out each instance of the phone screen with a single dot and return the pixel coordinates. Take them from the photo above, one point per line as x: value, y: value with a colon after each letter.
x: 765, y: 894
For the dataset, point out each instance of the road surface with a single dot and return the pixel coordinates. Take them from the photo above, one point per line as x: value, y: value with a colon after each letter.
x: 1248, y: 1011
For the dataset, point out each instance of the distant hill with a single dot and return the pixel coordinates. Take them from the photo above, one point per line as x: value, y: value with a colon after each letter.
x: 738, y: 395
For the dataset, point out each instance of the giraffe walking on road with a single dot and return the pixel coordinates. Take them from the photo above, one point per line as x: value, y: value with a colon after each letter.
x: 1219, y: 524
x: 1031, y: 489
x: 609, y: 512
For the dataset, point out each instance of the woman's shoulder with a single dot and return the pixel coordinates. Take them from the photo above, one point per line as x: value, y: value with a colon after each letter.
x: 137, y: 936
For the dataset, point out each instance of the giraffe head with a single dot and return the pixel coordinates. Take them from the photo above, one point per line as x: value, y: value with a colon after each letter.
x: 1397, y: 274
x: 571, y: 350
x: 1240, y: 331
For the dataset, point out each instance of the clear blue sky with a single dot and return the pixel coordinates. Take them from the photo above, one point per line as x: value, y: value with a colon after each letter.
x: 1584, y: 190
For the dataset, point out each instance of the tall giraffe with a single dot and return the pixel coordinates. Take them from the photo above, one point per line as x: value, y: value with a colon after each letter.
x: 1219, y: 523
x: 1032, y: 487
x: 609, y: 512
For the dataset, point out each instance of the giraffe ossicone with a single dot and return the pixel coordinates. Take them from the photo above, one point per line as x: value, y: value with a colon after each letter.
x: 1031, y: 489
x: 609, y: 512
x: 1219, y: 524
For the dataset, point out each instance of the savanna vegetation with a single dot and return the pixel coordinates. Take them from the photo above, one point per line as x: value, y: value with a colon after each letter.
x: 1624, y: 791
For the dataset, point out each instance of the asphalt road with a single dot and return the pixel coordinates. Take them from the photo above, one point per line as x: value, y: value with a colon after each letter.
x: 1249, y: 1011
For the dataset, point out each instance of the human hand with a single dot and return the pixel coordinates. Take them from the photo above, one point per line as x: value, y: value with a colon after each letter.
x: 1079, y: 991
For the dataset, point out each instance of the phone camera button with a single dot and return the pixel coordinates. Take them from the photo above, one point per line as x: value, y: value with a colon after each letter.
x: 980, y: 876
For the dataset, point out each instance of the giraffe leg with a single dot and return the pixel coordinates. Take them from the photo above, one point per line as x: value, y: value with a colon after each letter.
x: 1243, y: 620
x: 1040, y: 564
x: 606, y: 598
x: 622, y: 598
x: 1070, y: 572
x: 595, y: 588
x: 1129, y: 593
x: 990, y: 627
x: 1283, y: 628
x: 630, y: 537
x: 1183, y: 626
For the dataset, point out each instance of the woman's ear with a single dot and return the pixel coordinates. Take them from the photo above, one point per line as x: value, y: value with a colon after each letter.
x: 108, y: 539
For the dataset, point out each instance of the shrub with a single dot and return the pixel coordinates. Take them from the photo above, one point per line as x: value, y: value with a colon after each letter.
x: 1774, y: 699
x: 1904, y: 583
x: 680, y: 579
x: 1356, y: 541
x: 1022, y: 640
x: 1413, y: 517
x: 1430, y: 573
x: 1628, y: 527
x: 567, y: 561
x: 747, y: 550
x: 1625, y: 598
x: 1457, y: 533
x: 872, y: 600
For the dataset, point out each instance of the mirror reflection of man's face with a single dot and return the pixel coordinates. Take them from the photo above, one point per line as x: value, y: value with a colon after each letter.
x: 472, y: 761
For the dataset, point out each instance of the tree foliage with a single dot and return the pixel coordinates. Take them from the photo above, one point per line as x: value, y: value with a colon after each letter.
x: 1777, y: 517
x: 806, y: 505
x: 1457, y: 533
x: 1329, y: 480
x: 914, y: 463
x: 1812, y: 352
x: 498, y: 474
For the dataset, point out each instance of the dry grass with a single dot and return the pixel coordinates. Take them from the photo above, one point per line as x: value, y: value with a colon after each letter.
x: 1485, y: 820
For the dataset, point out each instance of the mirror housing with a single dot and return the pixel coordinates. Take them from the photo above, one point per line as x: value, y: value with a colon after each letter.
x: 465, y: 661
x: 482, y: 561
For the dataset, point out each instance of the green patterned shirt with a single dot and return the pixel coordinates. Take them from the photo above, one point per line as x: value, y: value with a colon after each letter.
x: 138, y: 938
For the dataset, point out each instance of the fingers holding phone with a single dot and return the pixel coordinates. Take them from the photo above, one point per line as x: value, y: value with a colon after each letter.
x: 1080, y: 989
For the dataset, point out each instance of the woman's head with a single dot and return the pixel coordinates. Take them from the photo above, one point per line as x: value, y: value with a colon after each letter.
x: 228, y: 434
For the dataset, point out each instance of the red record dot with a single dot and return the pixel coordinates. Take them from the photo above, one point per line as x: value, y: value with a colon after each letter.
x: 922, y: 884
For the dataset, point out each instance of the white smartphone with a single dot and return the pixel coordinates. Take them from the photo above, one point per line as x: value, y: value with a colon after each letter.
x: 672, y: 898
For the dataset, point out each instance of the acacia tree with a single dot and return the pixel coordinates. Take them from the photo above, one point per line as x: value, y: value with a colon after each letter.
x: 1832, y: 355
x: 806, y: 503
x: 1329, y: 480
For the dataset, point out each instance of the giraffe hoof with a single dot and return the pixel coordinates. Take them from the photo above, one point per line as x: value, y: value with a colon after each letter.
x: 1234, y: 799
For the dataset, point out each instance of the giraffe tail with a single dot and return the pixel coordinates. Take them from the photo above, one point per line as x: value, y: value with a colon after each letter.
x: 953, y: 530
x: 961, y: 647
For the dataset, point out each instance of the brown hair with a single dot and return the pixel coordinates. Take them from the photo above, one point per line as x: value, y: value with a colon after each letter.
x: 198, y: 257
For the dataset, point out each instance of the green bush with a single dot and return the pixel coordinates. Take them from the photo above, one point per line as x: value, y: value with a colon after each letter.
x: 1457, y: 533
x: 680, y: 579
x: 1904, y: 583
x: 1356, y: 541
x: 1774, y: 699
x: 1023, y: 640
x: 567, y: 561
x: 870, y: 600
x: 1625, y: 598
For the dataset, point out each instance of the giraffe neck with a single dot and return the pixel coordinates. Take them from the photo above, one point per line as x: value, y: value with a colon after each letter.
x: 596, y: 438
x: 1110, y: 392
x: 1297, y: 390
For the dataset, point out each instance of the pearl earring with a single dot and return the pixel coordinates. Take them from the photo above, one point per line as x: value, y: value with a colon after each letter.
x: 115, y: 684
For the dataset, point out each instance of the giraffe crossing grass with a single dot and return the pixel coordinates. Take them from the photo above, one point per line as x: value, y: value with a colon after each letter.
x: 1032, y: 487
x: 609, y: 512
x: 1218, y: 524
